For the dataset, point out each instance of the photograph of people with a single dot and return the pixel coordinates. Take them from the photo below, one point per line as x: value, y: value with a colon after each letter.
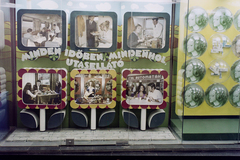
x: 90, y: 91
x: 195, y: 70
x: 109, y: 86
x: 58, y: 90
x: 220, y: 19
x: 234, y: 96
x: 235, y: 71
x: 41, y: 30
x: 194, y: 45
x: 146, y: 32
x: 105, y: 35
x: 56, y: 30
x: 236, y: 46
x: 236, y: 20
x: 216, y: 95
x: 141, y: 92
x: 28, y: 96
x: 38, y: 87
x: 157, y: 34
x: 154, y: 95
x: 91, y: 26
x: 93, y: 31
x: 193, y: 95
x: 144, y: 89
x: 196, y: 19
x: 134, y: 38
x: 93, y: 89
x: 47, y: 88
x: 33, y: 41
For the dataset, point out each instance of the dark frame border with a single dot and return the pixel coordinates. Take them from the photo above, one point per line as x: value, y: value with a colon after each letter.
x: 73, y: 16
x: 20, y: 13
x: 166, y: 16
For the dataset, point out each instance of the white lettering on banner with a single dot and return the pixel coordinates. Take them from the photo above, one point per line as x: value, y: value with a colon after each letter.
x: 94, y: 57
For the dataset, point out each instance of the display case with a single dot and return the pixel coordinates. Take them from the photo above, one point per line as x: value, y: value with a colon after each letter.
x: 207, y: 82
x: 88, y: 72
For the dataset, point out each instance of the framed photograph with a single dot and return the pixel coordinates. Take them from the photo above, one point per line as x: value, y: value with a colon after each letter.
x: 144, y: 89
x: 40, y: 88
x: 93, y: 31
x: 93, y: 89
x: 146, y: 31
x: 41, y: 29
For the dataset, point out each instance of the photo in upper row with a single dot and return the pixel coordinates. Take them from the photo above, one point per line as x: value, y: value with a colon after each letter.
x: 93, y: 31
x: 41, y: 29
x: 146, y: 31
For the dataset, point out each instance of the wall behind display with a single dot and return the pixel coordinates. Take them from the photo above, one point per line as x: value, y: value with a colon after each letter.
x: 120, y: 8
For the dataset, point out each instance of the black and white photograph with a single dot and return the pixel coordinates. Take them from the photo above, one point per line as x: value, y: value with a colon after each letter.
x: 41, y: 30
x: 42, y: 88
x: 144, y: 89
x: 93, y: 31
x: 146, y: 32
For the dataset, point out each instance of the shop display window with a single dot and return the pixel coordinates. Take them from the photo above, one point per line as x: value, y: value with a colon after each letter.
x: 118, y: 72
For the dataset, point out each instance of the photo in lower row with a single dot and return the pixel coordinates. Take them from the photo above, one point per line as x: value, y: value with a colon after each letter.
x: 42, y: 88
x: 143, y: 89
x: 93, y: 89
